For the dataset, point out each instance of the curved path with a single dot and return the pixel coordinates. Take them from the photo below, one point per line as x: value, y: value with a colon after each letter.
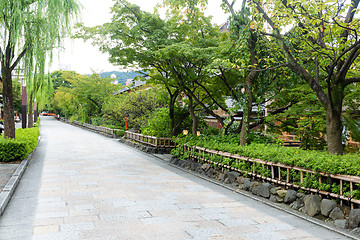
x: 81, y: 185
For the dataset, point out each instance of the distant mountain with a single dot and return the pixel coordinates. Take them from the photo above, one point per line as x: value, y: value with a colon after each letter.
x: 122, y: 76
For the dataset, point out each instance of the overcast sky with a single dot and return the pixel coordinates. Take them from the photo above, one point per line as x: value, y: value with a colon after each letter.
x: 84, y: 58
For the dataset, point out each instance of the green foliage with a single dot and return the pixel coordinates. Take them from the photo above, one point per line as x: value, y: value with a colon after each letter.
x: 319, y: 48
x: 302, y: 115
x: 260, y: 138
x: 136, y: 106
x: 158, y: 124
x: 97, y: 121
x: 17, y: 95
x: 19, y: 148
x: 354, y: 126
x: 82, y: 97
x: 63, y: 78
x: 309, y: 159
x: 210, y: 131
x: 120, y: 132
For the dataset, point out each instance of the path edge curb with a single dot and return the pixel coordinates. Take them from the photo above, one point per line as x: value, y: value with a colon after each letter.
x: 10, y: 187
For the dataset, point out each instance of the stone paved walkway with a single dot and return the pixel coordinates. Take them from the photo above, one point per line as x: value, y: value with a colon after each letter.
x: 81, y: 185
x: 6, y: 171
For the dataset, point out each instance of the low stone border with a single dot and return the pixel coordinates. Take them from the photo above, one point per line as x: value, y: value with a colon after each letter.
x: 311, y: 205
x: 9, y: 189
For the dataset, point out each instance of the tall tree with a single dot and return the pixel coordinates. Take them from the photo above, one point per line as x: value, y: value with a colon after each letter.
x: 322, y: 47
x: 29, y: 31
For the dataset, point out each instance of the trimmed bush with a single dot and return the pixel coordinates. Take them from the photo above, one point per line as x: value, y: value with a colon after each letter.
x: 20, y: 147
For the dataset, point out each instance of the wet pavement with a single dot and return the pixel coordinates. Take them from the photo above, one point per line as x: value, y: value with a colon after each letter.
x: 81, y: 185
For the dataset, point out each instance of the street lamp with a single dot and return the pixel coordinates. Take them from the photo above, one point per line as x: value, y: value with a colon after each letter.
x: 35, y: 111
x: 23, y: 104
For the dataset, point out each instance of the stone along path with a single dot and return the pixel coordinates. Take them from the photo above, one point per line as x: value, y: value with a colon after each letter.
x: 81, y: 185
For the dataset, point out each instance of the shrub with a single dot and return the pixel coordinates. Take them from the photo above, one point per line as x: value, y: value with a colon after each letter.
x: 158, y: 124
x: 210, y: 131
x: 97, y: 121
x: 19, y: 148
x: 119, y: 133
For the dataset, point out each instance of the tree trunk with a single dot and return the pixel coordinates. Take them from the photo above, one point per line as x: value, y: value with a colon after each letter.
x: 334, y: 126
x: 30, y: 112
x: 334, y: 133
x: 172, y: 114
x: 248, y: 91
x: 193, y: 116
x: 226, y: 132
x: 247, y: 111
x: 8, y: 100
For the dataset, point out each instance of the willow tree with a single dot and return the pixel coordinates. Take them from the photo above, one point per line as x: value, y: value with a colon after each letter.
x: 30, y: 30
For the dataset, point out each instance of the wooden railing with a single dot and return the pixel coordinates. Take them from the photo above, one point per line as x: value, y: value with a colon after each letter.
x: 150, y: 140
x: 280, y: 174
x: 100, y: 129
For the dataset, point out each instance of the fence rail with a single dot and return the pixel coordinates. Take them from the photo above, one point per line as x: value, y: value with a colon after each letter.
x: 150, y: 140
x: 100, y: 129
x: 281, y: 174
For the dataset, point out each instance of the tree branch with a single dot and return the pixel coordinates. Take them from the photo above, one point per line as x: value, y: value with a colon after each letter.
x: 349, y: 17
x: 129, y: 36
x: 230, y: 6
x: 352, y: 80
x: 211, y: 97
x: 262, y: 70
x: 22, y: 54
x: 349, y: 61
x: 223, y: 78
x: 292, y: 63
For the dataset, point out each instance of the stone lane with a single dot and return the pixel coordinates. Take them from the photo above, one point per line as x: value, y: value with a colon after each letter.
x: 82, y: 185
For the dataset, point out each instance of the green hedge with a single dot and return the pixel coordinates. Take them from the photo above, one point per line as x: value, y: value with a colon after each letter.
x: 310, y: 159
x: 19, y: 148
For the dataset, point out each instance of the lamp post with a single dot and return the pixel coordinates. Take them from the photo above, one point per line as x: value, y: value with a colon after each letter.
x: 23, y: 104
x: 35, y: 111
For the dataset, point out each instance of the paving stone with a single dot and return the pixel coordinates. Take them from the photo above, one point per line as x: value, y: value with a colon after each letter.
x: 266, y: 236
x: 70, y: 227
x: 237, y: 222
x: 51, y: 214
x: 45, y: 229
x: 204, y: 233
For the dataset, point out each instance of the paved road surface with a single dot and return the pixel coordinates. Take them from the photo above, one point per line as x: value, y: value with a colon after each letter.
x: 81, y: 185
